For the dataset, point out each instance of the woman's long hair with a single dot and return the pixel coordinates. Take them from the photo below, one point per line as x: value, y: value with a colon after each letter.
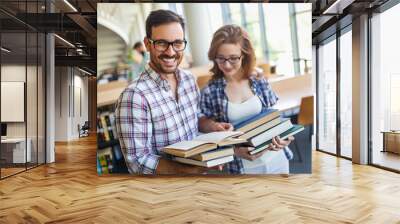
x: 232, y: 34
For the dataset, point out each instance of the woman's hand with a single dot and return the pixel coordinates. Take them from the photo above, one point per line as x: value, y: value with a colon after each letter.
x: 278, y: 144
x: 243, y: 152
x: 207, y: 125
x: 222, y: 126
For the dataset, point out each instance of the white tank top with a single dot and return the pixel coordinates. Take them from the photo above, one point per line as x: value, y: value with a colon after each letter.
x: 272, y: 162
x: 240, y: 111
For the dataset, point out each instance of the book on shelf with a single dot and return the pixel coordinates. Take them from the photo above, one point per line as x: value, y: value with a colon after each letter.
x: 106, y: 127
x: 113, y: 125
x: 100, y: 131
x: 208, y: 163
x: 204, y: 143
x: 214, y: 154
x: 263, y: 117
x: 292, y: 131
x: 105, y: 160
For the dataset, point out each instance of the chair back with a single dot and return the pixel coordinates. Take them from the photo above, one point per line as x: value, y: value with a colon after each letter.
x: 306, y: 114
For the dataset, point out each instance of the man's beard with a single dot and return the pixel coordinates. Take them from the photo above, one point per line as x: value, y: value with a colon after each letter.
x: 160, y: 67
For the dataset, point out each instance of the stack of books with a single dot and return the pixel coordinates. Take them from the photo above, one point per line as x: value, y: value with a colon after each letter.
x: 206, y: 150
x: 259, y: 130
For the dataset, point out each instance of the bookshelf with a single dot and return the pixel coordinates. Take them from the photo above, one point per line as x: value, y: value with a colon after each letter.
x: 109, y: 155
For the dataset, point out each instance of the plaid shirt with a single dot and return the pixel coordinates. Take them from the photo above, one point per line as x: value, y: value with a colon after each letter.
x: 149, y: 118
x: 214, y: 105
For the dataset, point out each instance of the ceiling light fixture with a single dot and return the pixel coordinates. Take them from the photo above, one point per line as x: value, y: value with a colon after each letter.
x: 65, y: 41
x: 84, y: 71
x: 5, y: 50
x: 337, y: 7
x: 70, y: 5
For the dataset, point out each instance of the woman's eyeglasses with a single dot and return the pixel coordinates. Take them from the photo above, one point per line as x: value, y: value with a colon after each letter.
x: 232, y: 60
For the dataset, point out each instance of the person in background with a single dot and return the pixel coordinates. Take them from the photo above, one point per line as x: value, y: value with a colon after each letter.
x: 236, y: 92
x: 139, y: 47
x: 138, y: 58
x: 161, y: 106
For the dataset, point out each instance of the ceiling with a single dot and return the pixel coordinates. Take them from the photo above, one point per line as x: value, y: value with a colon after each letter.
x: 75, y: 23
x: 80, y: 27
x: 330, y: 15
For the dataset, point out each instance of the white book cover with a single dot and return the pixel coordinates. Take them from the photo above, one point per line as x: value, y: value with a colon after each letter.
x: 211, y: 138
x: 215, y: 137
x: 186, y: 145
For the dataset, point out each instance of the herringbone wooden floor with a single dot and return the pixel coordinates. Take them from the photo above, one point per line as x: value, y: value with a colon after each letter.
x: 70, y: 191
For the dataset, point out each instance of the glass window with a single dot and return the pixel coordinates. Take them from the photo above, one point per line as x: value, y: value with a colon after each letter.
x: 303, y: 21
x: 385, y: 84
x: 235, y: 13
x: 13, y: 77
x: 22, y: 76
x: 279, y: 38
x: 215, y: 14
x: 346, y: 94
x: 327, y: 97
x: 253, y: 27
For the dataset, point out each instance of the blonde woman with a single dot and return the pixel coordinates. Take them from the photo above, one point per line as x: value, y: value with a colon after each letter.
x: 234, y: 93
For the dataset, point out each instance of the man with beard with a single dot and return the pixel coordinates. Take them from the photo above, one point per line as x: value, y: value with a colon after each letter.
x: 161, y: 106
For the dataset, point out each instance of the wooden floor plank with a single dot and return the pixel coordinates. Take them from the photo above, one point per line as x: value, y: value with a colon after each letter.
x: 69, y: 191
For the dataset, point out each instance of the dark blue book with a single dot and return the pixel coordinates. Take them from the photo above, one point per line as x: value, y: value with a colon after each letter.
x: 256, y: 120
x: 292, y: 131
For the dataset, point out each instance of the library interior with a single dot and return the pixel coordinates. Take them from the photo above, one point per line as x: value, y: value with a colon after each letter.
x: 65, y: 63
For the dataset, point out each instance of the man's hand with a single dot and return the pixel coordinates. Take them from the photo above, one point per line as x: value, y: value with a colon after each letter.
x: 278, y: 144
x: 243, y: 152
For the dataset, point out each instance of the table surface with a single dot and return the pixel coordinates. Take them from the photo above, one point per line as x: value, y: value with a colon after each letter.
x: 391, y: 132
x: 290, y: 91
x: 13, y: 140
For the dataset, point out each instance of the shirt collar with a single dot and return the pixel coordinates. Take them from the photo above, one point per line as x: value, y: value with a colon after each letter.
x: 158, y: 80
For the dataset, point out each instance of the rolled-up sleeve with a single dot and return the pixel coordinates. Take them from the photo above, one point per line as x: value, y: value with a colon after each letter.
x: 134, y: 126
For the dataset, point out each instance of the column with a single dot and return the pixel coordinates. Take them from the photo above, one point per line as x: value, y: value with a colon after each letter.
x: 360, y: 90
x: 198, y: 29
x: 50, y: 98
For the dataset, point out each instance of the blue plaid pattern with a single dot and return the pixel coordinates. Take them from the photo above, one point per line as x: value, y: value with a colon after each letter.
x: 214, y: 105
x: 149, y: 118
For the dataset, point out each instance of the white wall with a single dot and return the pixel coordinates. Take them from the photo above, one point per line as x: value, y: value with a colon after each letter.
x: 69, y: 85
x: 61, y: 103
x: 33, y: 127
x: 15, y: 73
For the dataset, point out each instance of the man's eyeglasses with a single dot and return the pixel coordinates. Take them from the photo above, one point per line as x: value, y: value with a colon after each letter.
x: 163, y: 45
x: 232, y: 60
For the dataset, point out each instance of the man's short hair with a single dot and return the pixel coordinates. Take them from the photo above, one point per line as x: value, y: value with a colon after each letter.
x: 161, y: 17
x: 137, y: 45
